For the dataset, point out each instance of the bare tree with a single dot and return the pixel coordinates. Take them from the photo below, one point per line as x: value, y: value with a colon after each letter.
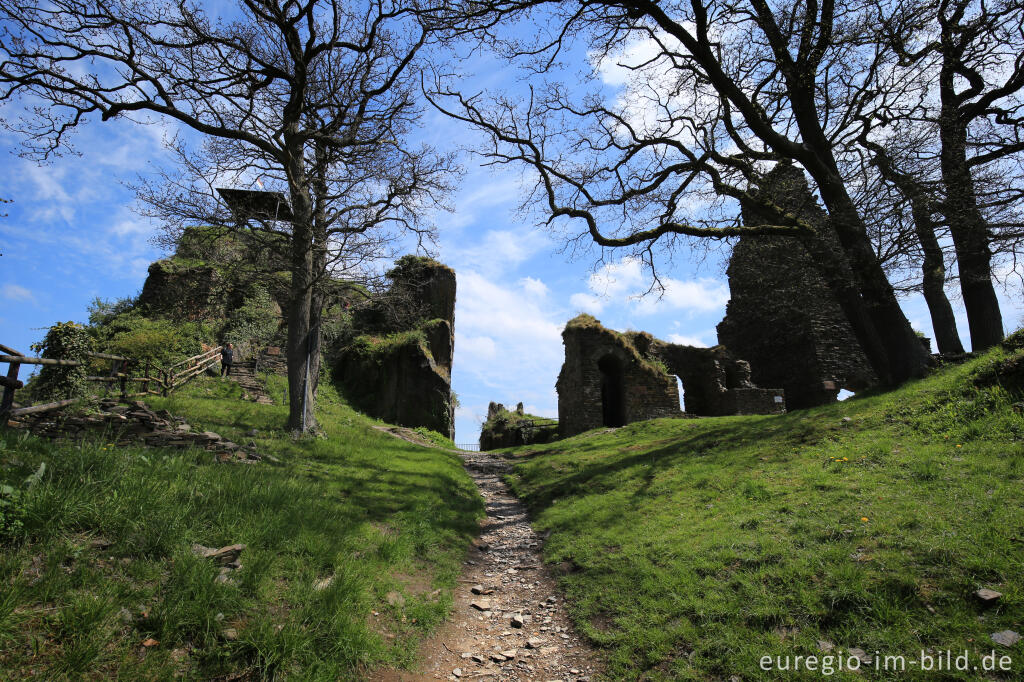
x: 920, y: 244
x: 747, y: 83
x: 974, y: 52
x: 313, y: 94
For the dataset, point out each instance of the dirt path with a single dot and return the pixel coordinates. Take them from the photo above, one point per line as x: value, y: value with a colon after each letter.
x: 510, y: 621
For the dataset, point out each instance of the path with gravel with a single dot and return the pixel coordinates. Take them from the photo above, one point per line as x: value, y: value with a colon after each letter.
x: 510, y: 622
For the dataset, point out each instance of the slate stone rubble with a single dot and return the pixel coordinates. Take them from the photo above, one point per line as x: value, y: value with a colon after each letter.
x: 509, y: 625
x: 226, y: 557
x: 136, y: 424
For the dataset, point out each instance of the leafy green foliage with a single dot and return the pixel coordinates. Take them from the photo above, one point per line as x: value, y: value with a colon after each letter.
x: 103, y: 561
x: 255, y: 320
x: 63, y: 341
x: 379, y: 346
x: 161, y: 341
x: 695, y: 547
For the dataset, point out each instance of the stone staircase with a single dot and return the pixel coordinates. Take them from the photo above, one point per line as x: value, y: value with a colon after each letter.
x: 244, y: 374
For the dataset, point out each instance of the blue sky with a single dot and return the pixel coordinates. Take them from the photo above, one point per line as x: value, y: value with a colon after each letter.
x: 72, y: 235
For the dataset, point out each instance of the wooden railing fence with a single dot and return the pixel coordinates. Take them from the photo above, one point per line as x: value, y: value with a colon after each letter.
x: 123, y: 373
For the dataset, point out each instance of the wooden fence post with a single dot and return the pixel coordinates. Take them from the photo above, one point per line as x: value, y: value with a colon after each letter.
x: 11, y: 384
x: 124, y: 382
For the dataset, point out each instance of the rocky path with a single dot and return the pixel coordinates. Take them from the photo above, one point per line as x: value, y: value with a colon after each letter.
x: 244, y: 374
x: 510, y: 622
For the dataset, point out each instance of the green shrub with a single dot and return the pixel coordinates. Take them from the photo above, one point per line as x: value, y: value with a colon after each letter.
x: 63, y: 341
x: 159, y: 341
x: 257, y: 319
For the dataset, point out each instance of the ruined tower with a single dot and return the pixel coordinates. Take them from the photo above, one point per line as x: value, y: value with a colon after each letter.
x: 782, y: 317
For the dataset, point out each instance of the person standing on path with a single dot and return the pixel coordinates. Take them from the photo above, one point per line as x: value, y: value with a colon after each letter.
x: 227, y: 357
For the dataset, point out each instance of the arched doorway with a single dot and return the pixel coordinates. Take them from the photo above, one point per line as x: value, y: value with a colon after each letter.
x: 613, y: 400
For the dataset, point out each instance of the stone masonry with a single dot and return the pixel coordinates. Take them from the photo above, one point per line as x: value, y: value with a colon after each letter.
x: 782, y: 317
x: 611, y: 379
x: 399, y: 366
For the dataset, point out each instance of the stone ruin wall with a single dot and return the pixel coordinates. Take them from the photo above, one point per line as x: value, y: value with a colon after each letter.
x: 409, y: 384
x: 714, y: 382
x: 781, y: 316
x: 518, y: 428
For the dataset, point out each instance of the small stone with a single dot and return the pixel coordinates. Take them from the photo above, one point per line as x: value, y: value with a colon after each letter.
x: 509, y: 654
x: 497, y: 658
x: 534, y: 643
x: 223, y: 556
x: 466, y: 655
x: 517, y: 621
x: 574, y: 671
x: 846, y: 420
x: 477, y: 658
x: 481, y: 604
x: 230, y: 634
x: 457, y: 672
x: 861, y: 655
x: 1007, y: 638
x: 477, y: 589
x: 987, y: 596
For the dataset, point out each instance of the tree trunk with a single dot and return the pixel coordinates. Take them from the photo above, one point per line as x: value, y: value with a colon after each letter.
x: 933, y: 278
x: 969, y: 231
x: 933, y: 265
x: 837, y: 275
x: 889, y: 342
x: 883, y: 330
x: 300, y: 394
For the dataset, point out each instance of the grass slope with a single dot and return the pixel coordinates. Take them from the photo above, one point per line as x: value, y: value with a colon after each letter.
x: 378, y: 514
x: 692, y: 548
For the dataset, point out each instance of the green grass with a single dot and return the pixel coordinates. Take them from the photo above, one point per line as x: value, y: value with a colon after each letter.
x: 95, y: 557
x: 692, y: 548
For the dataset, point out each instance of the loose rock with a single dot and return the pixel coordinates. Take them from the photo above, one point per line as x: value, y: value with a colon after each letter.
x: 1007, y: 638
x: 988, y: 596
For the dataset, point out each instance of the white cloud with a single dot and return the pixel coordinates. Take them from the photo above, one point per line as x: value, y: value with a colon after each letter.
x: 617, y: 278
x: 481, y: 347
x: 131, y: 226
x: 625, y: 283
x: 508, y: 347
x: 497, y: 251
x: 687, y: 340
x: 702, y: 295
x: 587, y: 303
x: 534, y: 287
x: 13, y: 292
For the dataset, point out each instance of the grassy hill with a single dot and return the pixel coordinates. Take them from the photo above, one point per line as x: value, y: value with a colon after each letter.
x: 692, y: 548
x: 354, y: 543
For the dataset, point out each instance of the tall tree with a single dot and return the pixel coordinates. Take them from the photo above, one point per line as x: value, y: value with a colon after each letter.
x: 973, y: 50
x: 747, y: 82
x: 314, y: 93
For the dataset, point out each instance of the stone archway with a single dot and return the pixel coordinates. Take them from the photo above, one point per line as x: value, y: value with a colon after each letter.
x: 613, y: 398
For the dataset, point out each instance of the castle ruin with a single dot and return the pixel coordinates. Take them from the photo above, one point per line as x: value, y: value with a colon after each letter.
x: 611, y: 379
x: 781, y: 316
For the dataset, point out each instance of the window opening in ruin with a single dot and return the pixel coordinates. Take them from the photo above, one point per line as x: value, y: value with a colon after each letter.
x: 613, y: 403
x: 844, y: 394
